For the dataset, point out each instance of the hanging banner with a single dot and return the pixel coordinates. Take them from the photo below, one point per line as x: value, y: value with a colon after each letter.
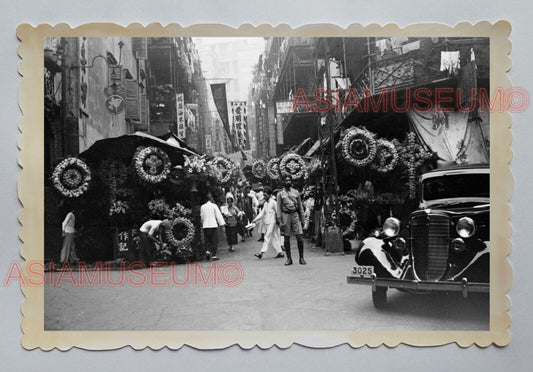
x: 219, y: 96
x: 240, y: 124
x: 180, y: 108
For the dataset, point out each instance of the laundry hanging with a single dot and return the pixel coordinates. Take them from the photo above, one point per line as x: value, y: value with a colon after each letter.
x: 450, y: 61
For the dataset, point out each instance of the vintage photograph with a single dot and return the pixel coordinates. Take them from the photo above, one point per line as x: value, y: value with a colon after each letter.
x: 268, y: 183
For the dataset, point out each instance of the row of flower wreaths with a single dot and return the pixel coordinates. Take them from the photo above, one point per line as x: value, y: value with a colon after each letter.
x: 360, y: 148
x: 72, y: 178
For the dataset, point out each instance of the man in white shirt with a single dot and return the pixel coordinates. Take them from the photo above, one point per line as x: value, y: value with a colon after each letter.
x: 148, y: 234
x: 259, y: 195
x: 211, y: 219
x: 269, y: 217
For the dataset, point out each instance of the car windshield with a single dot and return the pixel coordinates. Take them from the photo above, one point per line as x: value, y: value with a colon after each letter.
x: 456, y: 186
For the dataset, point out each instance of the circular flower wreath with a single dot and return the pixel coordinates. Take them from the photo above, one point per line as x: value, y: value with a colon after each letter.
x: 292, y: 165
x: 225, y: 168
x: 272, y: 169
x: 386, y: 156
x: 259, y: 169
x: 359, y: 147
x: 353, y: 217
x: 171, y: 238
x: 71, y: 177
x: 152, y: 164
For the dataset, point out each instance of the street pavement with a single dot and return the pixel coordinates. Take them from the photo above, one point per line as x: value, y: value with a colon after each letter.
x: 256, y: 295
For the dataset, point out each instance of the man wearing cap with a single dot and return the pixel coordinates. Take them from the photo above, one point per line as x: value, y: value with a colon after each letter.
x: 290, y: 216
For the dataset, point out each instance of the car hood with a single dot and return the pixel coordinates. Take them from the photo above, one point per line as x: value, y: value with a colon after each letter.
x: 458, y: 206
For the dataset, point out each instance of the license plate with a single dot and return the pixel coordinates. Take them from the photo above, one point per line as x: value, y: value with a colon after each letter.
x: 363, y: 271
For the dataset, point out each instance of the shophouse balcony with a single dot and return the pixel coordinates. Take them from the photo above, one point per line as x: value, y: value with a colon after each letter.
x: 417, y: 63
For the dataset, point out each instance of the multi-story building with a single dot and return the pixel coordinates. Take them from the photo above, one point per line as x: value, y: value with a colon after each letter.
x: 98, y: 88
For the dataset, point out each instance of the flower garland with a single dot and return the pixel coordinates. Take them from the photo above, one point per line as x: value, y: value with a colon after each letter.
x: 359, y: 147
x: 413, y: 156
x: 314, y: 166
x: 161, y: 209
x: 71, y: 177
x: 386, y: 156
x: 170, y: 237
x: 272, y: 169
x: 196, y: 167
x: 223, y: 167
x: 353, y: 218
x: 180, y: 211
x: 309, y: 206
x: 151, y: 164
x: 118, y: 207
x: 292, y: 165
x: 259, y: 169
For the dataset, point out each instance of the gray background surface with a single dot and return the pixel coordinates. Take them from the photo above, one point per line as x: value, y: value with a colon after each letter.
x: 516, y: 357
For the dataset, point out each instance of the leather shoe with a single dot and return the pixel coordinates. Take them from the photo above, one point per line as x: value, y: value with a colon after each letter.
x: 302, y: 261
x: 258, y: 255
x: 279, y: 255
x: 288, y: 262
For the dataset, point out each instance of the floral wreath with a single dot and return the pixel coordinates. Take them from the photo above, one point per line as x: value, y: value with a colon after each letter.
x: 292, y: 165
x: 259, y: 169
x: 170, y: 237
x: 359, y: 147
x: 353, y: 216
x: 71, y: 177
x: 151, y: 164
x: 272, y: 169
x: 225, y: 168
x: 386, y: 156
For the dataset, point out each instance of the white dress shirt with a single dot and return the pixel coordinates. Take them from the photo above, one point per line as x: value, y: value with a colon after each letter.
x: 268, y: 213
x: 211, y: 216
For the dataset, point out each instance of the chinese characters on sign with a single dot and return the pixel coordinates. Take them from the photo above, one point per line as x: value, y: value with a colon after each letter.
x: 115, y: 91
x: 239, y: 124
x: 180, y: 107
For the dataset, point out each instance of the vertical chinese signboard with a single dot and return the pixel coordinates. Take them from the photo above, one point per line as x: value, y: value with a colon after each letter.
x: 240, y: 124
x: 180, y: 108
x: 115, y: 91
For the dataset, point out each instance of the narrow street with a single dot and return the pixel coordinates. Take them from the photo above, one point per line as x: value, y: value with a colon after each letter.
x: 270, y: 296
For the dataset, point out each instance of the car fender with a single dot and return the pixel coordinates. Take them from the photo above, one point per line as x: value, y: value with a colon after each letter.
x: 373, y: 254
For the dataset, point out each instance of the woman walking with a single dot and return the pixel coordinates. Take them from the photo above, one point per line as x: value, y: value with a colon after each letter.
x: 68, y: 250
x: 231, y: 214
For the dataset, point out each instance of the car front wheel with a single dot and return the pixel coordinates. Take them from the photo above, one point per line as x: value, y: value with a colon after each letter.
x: 379, y: 297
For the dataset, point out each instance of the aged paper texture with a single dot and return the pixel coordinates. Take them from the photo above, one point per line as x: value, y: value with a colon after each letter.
x: 414, y: 185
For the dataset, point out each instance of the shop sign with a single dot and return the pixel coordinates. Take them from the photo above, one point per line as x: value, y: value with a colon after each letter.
x: 284, y: 107
x: 115, y: 104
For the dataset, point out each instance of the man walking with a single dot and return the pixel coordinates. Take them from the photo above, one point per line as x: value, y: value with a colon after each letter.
x: 290, y: 216
x: 268, y: 216
x: 211, y: 219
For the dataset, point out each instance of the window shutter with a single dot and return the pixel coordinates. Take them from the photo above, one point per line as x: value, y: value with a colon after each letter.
x: 132, y: 99
x: 140, y: 47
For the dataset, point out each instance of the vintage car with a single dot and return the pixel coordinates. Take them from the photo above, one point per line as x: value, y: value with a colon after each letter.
x: 443, y: 245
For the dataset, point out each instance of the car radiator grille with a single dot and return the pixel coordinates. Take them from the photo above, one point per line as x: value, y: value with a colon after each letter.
x: 430, y: 245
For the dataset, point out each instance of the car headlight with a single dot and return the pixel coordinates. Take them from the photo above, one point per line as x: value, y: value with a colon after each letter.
x: 391, y: 227
x: 458, y: 245
x: 465, y: 227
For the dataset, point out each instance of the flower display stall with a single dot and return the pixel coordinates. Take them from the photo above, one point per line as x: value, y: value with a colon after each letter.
x: 119, y: 183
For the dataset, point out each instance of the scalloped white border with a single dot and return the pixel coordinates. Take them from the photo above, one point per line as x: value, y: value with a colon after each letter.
x: 31, y: 218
